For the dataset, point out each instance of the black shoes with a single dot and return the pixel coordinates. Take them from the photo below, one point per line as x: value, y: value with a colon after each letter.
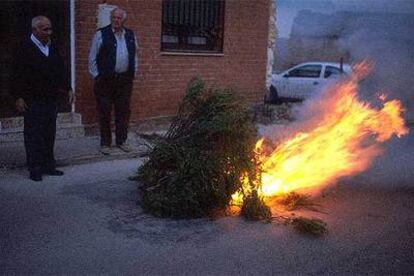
x: 53, y: 172
x: 35, y: 176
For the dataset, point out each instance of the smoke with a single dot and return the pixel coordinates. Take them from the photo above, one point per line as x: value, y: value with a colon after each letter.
x: 387, y: 40
x: 393, y: 169
x: 379, y: 30
x: 389, y: 164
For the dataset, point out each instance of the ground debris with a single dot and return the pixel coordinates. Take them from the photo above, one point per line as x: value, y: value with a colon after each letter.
x: 312, y: 226
x: 293, y: 201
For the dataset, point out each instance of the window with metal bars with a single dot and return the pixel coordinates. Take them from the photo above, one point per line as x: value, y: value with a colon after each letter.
x: 192, y: 25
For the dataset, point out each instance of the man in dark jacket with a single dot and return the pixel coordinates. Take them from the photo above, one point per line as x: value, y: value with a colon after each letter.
x: 38, y: 79
x: 112, y: 63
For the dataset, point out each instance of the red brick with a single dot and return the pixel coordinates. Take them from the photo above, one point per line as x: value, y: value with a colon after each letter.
x: 161, y: 80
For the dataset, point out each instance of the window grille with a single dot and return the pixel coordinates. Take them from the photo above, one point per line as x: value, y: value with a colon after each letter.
x: 192, y: 25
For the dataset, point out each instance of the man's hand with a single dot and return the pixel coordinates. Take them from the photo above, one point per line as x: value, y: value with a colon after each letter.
x: 71, y: 96
x: 21, y: 105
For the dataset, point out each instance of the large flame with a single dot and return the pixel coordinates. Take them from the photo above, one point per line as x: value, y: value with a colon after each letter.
x: 341, y: 139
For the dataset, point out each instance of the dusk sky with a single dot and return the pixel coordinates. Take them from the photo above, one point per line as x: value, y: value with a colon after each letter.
x: 287, y: 9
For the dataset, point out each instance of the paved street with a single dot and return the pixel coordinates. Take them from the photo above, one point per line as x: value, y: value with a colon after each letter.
x: 90, y: 222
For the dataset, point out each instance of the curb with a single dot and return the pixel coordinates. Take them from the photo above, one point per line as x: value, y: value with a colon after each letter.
x: 82, y: 159
x: 97, y: 158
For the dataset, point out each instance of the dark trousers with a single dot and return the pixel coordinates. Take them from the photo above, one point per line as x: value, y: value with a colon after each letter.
x: 114, y: 90
x: 39, y: 135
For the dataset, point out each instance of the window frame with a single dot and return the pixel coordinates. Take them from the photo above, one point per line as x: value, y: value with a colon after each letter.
x: 291, y: 75
x: 328, y: 68
x: 180, y: 34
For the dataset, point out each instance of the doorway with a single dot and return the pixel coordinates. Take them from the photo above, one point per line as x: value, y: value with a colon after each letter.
x: 15, y: 26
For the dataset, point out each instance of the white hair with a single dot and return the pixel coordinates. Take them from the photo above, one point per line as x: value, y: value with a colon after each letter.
x: 37, y: 19
x: 124, y: 13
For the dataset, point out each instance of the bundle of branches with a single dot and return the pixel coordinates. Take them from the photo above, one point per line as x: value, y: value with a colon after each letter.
x: 254, y: 208
x: 197, y: 167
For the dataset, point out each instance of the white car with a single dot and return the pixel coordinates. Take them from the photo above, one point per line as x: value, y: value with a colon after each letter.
x: 304, y: 80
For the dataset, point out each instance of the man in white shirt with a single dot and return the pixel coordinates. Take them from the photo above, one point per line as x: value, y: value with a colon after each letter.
x: 113, y: 63
x: 39, y: 79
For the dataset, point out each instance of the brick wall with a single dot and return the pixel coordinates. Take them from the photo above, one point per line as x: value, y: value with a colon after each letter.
x: 162, y: 78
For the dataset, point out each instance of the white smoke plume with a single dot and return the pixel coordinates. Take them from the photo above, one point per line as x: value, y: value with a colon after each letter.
x: 381, y: 31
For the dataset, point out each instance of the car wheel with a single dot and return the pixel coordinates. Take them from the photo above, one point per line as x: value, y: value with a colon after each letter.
x: 273, y: 95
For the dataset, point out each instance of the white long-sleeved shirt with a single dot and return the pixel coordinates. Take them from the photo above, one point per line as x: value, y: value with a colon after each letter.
x: 121, y: 60
x: 43, y: 48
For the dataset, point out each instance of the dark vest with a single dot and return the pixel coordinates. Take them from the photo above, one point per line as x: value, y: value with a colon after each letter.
x: 105, y: 59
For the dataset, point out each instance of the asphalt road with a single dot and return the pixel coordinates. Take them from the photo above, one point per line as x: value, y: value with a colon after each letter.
x: 89, y: 221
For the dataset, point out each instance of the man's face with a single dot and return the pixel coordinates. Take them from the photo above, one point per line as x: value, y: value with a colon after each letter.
x: 117, y: 19
x: 43, y: 31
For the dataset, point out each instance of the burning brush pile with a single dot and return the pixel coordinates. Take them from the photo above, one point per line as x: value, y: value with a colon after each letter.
x: 194, y: 170
x: 209, y: 159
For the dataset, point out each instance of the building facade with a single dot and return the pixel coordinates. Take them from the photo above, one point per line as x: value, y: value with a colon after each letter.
x: 223, y: 41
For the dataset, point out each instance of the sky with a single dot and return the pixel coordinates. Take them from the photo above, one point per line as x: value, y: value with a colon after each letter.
x: 287, y: 9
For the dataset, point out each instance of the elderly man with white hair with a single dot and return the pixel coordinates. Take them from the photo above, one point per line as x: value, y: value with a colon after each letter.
x: 39, y: 79
x: 113, y: 63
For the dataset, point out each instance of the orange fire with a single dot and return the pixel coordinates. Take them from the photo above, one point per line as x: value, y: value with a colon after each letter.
x: 341, y: 139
